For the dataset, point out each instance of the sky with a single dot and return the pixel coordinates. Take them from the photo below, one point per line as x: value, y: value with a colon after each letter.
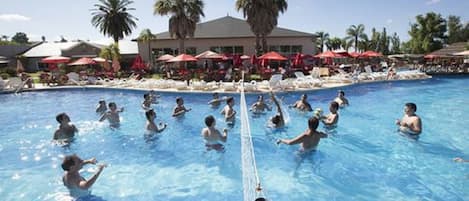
x: 72, y: 18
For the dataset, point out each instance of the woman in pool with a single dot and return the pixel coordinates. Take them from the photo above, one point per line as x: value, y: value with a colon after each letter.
x: 212, y: 135
x: 228, y: 111
x: 66, y: 130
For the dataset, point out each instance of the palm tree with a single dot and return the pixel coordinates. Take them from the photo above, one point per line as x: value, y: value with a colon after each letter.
x: 185, y: 14
x: 112, y: 18
x: 323, y: 38
x: 334, y: 43
x: 354, y: 33
x: 262, y: 16
x: 146, y: 36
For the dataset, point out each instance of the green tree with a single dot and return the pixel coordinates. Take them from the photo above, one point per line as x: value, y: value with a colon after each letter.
x: 396, y: 44
x: 346, y: 44
x: 20, y: 38
x: 262, y: 16
x: 375, y: 39
x: 185, y: 14
x: 364, y: 44
x: 354, y: 32
x: 383, y: 45
x: 455, y: 29
x: 322, y: 40
x: 334, y: 43
x: 146, y: 36
x: 427, y: 34
x: 112, y: 18
x: 4, y: 37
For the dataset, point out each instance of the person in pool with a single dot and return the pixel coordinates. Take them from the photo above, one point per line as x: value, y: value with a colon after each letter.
x: 112, y: 115
x: 151, y: 126
x: 101, y: 107
x: 410, y: 122
x: 147, y: 101
x: 216, y: 100
x: 259, y: 106
x: 228, y: 110
x: 341, y: 100
x: 66, y: 130
x: 309, y: 139
x: 212, y: 135
x: 278, y: 120
x: 77, y: 185
x: 180, y: 109
x: 302, y: 104
x: 333, y: 117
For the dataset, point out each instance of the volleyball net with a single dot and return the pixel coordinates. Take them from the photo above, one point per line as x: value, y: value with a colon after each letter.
x: 251, y: 183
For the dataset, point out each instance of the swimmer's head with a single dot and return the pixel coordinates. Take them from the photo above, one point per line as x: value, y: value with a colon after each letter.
x: 334, y: 106
x: 70, y: 161
x: 304, y: 97
x: 209, y: 120
x: 341, y: 93
x: 146, y: 96
x: 102, y: 102
x: 179, y: 100
x: 112, y: 105
x: 276, y: 119
x: 150, y: 114
x: 313, y: 123
x: 230, y: 100
x: 215, y: 95
x: 61, y: 117
x: 260, y: 98
x: 411, y: 106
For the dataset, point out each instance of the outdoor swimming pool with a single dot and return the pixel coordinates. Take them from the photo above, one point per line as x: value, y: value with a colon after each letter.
x: 364, y: 158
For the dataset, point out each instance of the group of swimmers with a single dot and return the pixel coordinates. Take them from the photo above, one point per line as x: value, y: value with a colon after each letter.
x: 213, y: 138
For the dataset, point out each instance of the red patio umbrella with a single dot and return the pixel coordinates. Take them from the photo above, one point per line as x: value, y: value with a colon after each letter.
x: 328, y: 54
x: 273, y: 56
x: 138, y: 63
x: 354, y: 54
x: 82, y: 61
x: 165, y: 57
x: 298, y: 60
x: 182, y: 57
x: 209, y: 55
x: 55, y: 60
x: 371, y: 54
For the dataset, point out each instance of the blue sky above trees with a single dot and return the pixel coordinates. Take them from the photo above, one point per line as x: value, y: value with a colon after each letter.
x: 72, y: 19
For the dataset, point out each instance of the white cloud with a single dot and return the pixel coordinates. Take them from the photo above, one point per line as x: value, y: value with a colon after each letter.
x: 389, y: 21
x: 13, y: 17
x: 432, y: 2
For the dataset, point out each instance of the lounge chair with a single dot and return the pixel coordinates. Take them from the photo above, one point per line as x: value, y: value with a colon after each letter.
x: 73, y: 78
x: 304, y: 81
x: 274, y: 81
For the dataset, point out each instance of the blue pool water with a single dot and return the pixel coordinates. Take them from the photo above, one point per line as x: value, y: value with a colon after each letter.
x: 364, y: 158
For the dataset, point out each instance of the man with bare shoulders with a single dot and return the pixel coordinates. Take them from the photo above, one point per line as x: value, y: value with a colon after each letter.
x: 333, y: 117
x: 278, y: 120
x: 180, y: 109
x: 341, y: 100
x: 112, y: 115
x: 228, y: 110
x: 302, y: 104
x: 309, y: 139
x: 76, y: 184
x: 410, y: 122
x: 259, y: 106
x: 212, y: 135
x: 66, y: 130
x: 215, y: 102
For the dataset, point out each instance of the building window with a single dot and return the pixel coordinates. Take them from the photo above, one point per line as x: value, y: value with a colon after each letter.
x: 274, y: 48
x: 191, y: 50
x: 285, y: 49
x: 296, y: 49
x: 239, y: 50
x: 227, y: 50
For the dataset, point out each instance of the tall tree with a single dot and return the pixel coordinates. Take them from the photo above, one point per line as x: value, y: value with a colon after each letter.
x: 20, y: 38
x: 334, y: 43
x: 185, y: 14
x: 427, y: 34
x: 455, y: 29
x: 375, y: 39
x: 146, y: 36
x: 354, y: 32
x: 346, y: 44
x: 364, y: 44
x: 322, y: 40
x: 113, y: 19
x: 383, y: 46
x: 262, y: 16
x: 396, y: 44
x: 4, y: 38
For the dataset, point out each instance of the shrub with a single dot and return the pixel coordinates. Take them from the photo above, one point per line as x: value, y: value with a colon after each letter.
x: 4, y: 76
